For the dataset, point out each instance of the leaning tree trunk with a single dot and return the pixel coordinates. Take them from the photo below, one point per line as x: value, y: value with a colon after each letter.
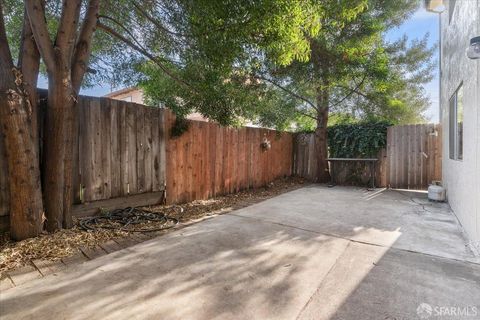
x: 321, y: 145
x: 29, y: 64
x: 57, y: 130
x: 71, y: 104
x: 26, y: 206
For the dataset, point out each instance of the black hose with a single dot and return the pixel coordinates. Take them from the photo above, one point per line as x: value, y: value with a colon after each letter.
x: 129, y: 219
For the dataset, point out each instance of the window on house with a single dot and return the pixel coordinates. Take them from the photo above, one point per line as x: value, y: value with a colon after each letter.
x: 129, y: 99
x: 456, y: 125
x: 451, y: 8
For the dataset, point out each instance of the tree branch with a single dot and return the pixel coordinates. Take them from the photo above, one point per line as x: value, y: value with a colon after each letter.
x: 354, y: 90
x: 126, y: 30
x: 350, y: 93
x: 144, y: 52
x: 155, y: 22
x: 83, y: 47
x: 67, y: 28
x: 305, y: 114
x: 36, y: 16
x: 29, y: 65
x: 287, y: 91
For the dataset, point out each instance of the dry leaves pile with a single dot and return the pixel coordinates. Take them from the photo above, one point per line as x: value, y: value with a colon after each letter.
x: 63, y: 243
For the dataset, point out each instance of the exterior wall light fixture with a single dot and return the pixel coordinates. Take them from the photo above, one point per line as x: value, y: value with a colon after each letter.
x: 473, y: 51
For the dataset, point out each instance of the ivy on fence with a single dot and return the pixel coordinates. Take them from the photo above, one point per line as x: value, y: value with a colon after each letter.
x: 357, y: 140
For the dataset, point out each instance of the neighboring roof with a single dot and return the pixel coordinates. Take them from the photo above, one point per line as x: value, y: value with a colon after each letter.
x: 434, y: 5
x: 122, y: 91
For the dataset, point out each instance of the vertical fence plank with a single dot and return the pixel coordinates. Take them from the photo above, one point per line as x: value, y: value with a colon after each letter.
x: 163, y: 136
x: 172, y: 160
x: 212, y: 145
x: 96, y: 158
x: 115, y: 158
x: 148, y: 154
x: 123, y: 148
x: 106, y: 146
x: 141, y: 147
x: 131, y: 129
x: 155, y: 149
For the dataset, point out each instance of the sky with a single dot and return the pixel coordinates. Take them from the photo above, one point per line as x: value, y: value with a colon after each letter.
x: 416, y: 27
x: 420, y: 23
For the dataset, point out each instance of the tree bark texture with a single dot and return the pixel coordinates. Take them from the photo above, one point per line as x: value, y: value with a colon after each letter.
x: 55, y: 133
x: 321, y: 142
x: 29, y: 64
x: 66, y: 60
x: 26, y: 207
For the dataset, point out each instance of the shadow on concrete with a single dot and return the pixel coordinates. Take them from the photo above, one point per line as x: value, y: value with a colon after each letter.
x: 288, y: 257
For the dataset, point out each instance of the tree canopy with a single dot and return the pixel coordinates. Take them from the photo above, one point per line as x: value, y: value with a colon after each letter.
x: 269, y: 72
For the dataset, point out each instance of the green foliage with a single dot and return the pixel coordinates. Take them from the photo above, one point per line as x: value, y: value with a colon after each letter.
x: 180, y: 126
x: 337, y: 118
x: 357, y: 140
x: 267, y: 60
x: 359, y: 73
x: 222, y: 46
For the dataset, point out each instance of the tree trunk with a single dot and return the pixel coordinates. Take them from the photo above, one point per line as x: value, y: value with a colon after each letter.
x: 321, y: 145
x: 57, y: 180
x: 26, y: 206
x: 68, y: 162
x: 29, y: 64
x: 66, y: 60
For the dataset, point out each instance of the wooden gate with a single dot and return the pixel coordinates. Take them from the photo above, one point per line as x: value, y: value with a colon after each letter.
x: 414, y: 156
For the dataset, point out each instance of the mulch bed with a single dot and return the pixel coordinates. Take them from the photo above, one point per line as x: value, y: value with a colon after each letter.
x: 65, y: 243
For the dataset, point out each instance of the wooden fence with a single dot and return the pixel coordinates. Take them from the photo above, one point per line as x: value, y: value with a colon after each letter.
x: 304, y: 158
x: 414, y: 154
x: 412, y: 159
x: 120, y: 152
x: 209, y: 160
x: 305, y: 165
x: 124, y: 156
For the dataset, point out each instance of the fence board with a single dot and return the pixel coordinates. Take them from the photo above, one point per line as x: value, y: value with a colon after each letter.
x: 213, y: 160
x: 115, y: 166
x: 123, y: 144
x: 106, y: 149
x: 162, y: 146
x: 415, y: 155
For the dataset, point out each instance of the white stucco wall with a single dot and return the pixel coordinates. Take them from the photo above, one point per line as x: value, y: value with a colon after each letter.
x: 132, y: 95
x: 462, y: 178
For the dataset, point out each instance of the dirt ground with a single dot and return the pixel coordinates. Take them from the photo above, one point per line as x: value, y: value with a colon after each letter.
x: 64, y: 243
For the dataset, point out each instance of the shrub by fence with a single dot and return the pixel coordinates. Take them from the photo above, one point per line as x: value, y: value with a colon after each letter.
x: 351, y: 173
x: 411, y: 159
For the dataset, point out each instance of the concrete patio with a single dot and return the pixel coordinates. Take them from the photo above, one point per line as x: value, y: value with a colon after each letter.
x: 313, y: 253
